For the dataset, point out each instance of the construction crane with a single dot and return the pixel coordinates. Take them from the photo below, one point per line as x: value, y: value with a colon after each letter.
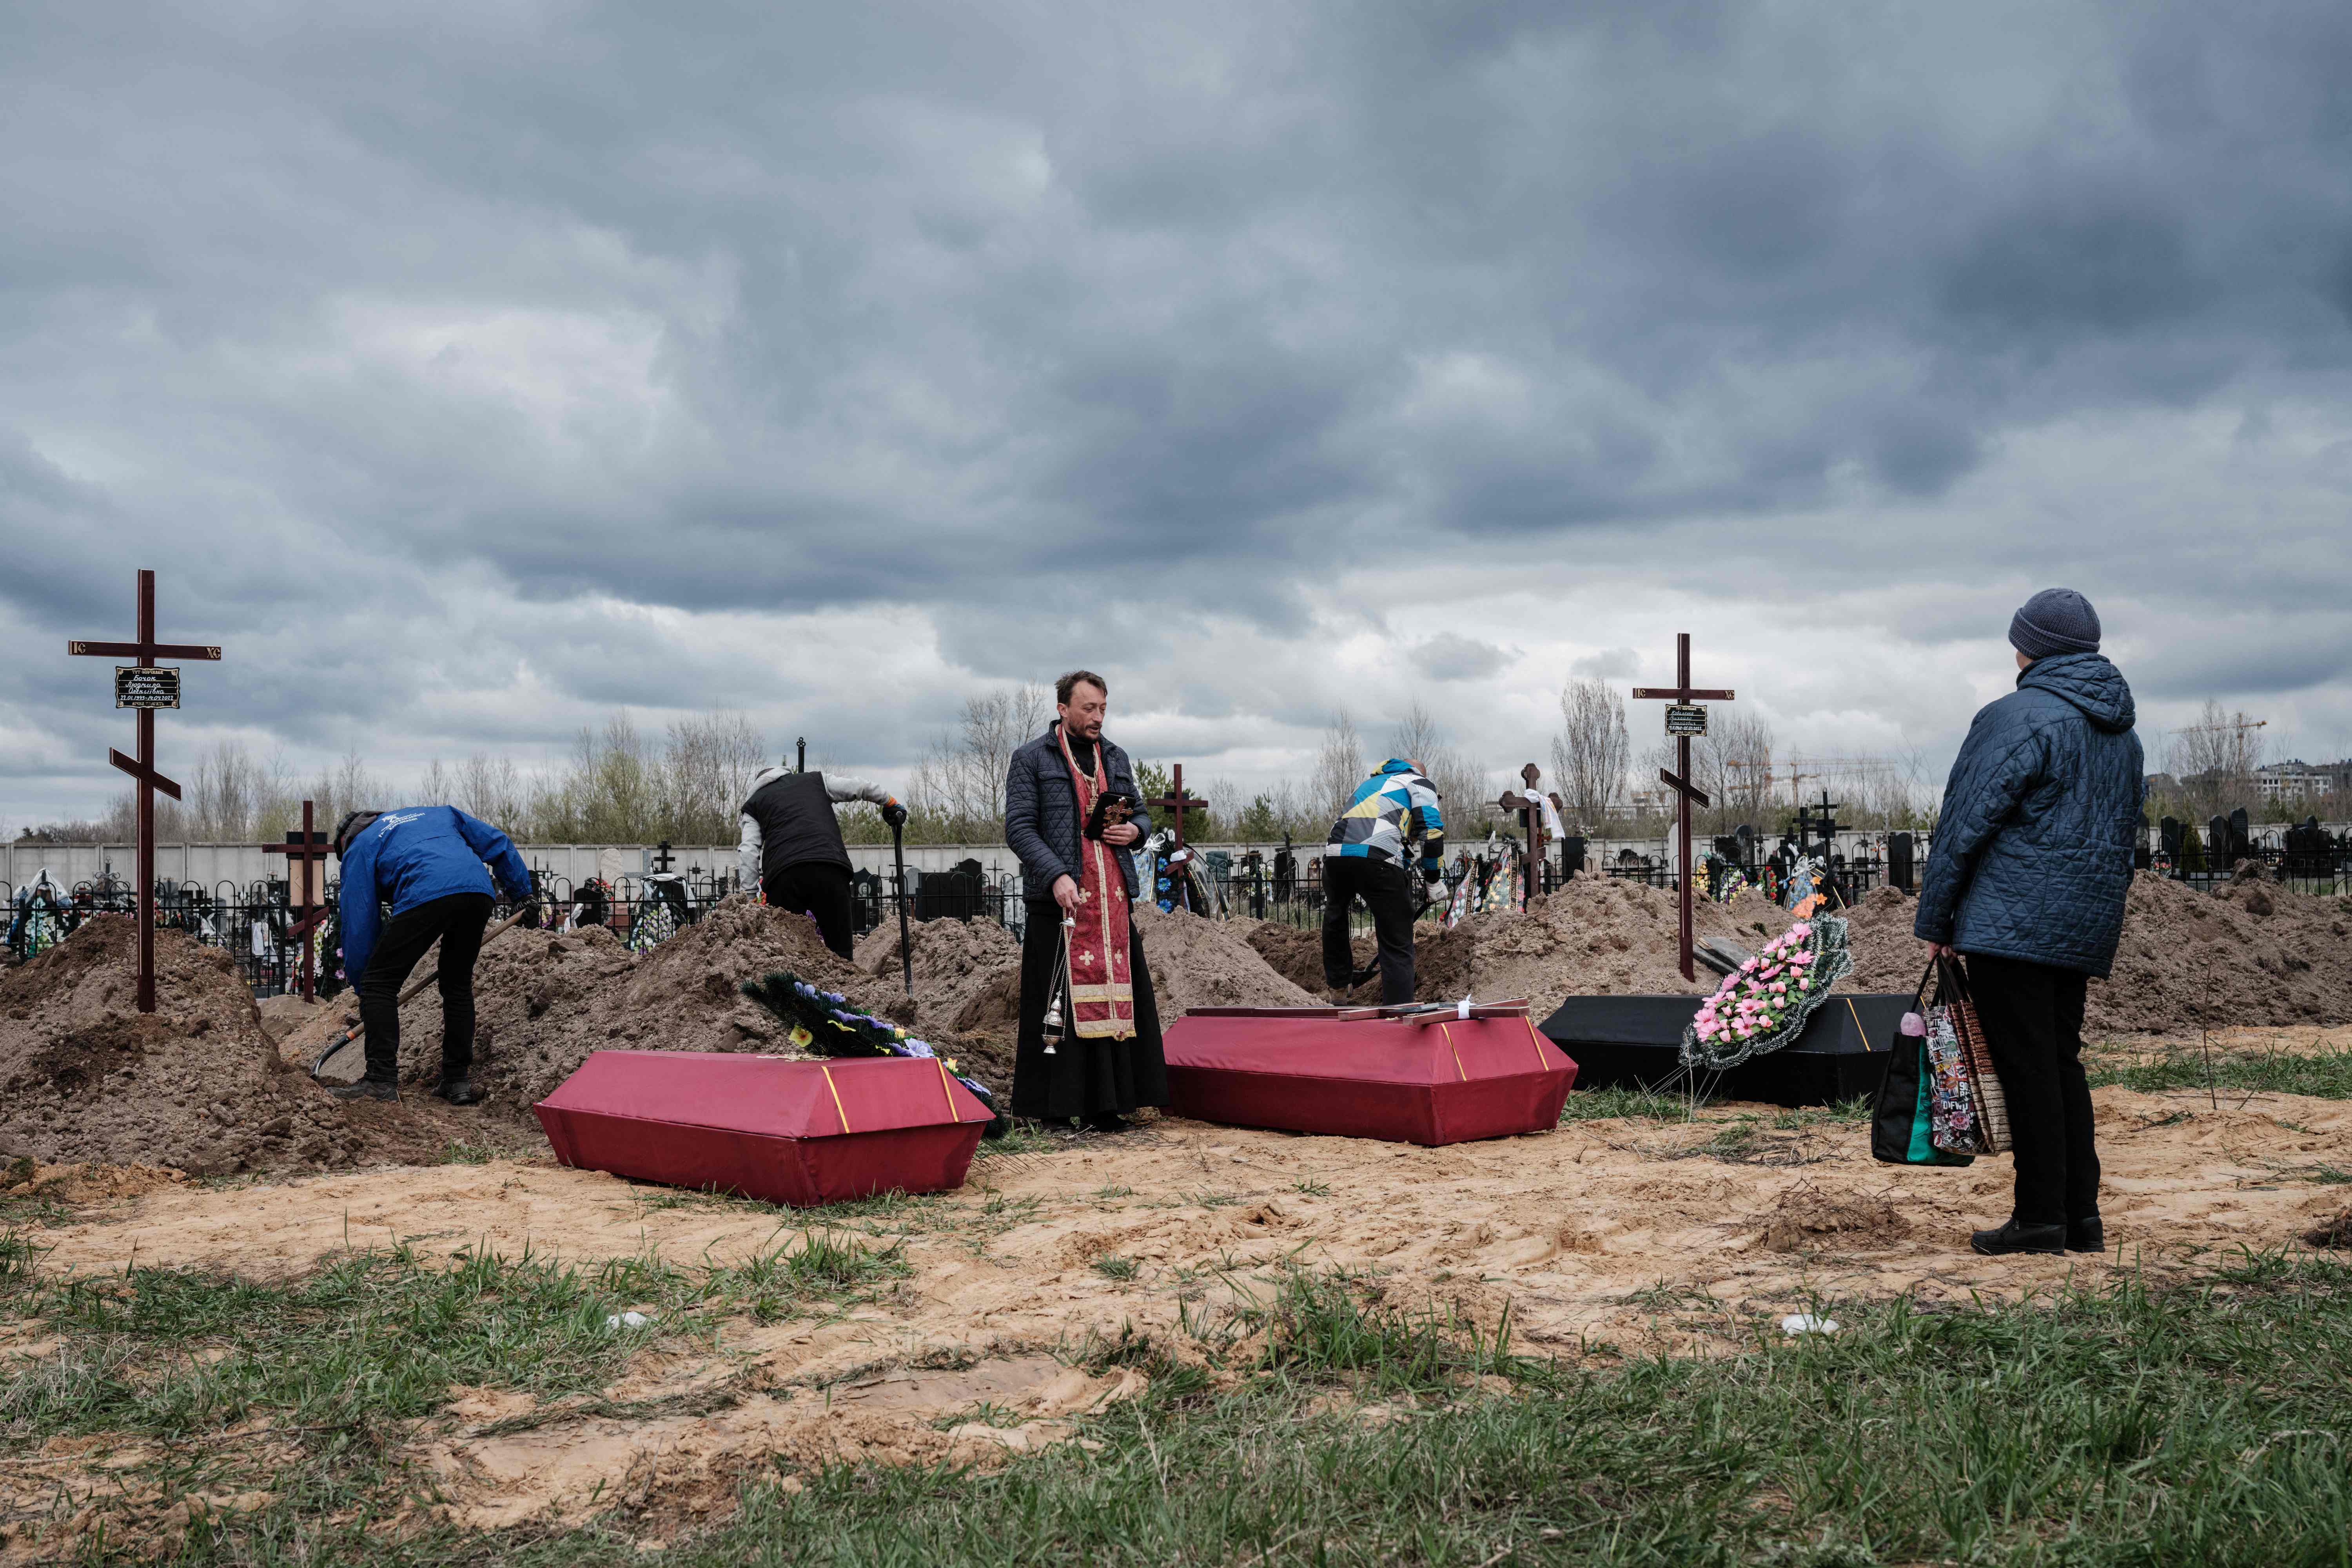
x: 1801, y: 769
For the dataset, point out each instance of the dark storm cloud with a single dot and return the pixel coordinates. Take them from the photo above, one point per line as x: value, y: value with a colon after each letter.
x: 490, y: 318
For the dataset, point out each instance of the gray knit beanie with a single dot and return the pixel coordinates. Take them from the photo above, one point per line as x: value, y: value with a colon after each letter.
x: 2054, y: 621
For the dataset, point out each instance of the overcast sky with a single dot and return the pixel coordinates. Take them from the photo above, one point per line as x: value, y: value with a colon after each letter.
x: 472, y: 372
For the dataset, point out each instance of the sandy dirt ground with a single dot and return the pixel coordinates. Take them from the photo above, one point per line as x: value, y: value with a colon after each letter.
x: 1605, y: 1238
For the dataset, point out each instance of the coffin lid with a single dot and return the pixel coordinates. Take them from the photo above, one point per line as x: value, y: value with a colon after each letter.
x: 1454, y: 1051
x: 769, y: 1095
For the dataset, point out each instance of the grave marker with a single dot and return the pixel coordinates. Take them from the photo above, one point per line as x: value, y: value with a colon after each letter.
x: 1177, y: 801
x: 142, y: 767
x: 1683, y: 694
x: 302, y: 854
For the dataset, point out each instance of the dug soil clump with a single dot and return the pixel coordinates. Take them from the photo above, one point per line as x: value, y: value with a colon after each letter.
x: 2250, y: 953
x: 967, y: 988
x: 1198, y: 962
x: 1602, y: 937
x: 968, y: 977
x: 543, y: 999
x: 1442, y: 960
x: 1808, y: 1220
x: 195, y: 1086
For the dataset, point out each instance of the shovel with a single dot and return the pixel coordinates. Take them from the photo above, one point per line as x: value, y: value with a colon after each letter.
x: 905, y: 953
x: 359, y: 1030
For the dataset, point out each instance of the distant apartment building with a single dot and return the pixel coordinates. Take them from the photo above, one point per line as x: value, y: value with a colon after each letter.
x: 2296, y: 781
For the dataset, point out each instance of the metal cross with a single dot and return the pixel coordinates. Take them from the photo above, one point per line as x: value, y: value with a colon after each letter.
x: 300, y: 854
x: 142, y: 767
x: 1176, y: 800
x: 1679, y: 780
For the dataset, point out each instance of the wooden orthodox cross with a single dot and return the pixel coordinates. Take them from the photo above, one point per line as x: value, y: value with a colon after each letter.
x: 1178, y: 802
x: 302, y: 854
x: 1680, y: 718
x: 146, y: 693
x: 1530, y: 809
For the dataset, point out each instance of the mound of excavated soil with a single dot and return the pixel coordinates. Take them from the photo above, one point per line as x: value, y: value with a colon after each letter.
x: 968, y: 975
x: 958, y: 964
x: 196, y: 1086
x: 1602, y: 936
x: 543, y: 1000
x: 1198, y: 962
x: 1442, y: 960
x: 2253, y: 953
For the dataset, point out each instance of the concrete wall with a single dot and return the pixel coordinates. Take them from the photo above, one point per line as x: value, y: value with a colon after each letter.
x: 243, y: 865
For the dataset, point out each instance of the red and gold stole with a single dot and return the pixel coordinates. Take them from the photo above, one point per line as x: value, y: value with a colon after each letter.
x: 1102, y: 991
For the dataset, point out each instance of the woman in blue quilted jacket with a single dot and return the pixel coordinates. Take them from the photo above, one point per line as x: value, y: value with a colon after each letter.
x: 2030, y: 861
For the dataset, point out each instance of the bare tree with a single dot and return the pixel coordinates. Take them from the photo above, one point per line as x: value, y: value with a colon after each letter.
x: 1461, y: 781
x: 705, y: 774
x: 491, y: 787
x: 1339, y: 765
x: 2215, y: 759
x: 1590, y: 753
x: 438, y: 787
x: 958, y: 787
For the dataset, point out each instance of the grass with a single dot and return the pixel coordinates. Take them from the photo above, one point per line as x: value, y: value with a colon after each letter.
x: 1610, y: 1105
x: 2124, y: 1424
x: 1111, y: 1266
x: 1663, y: 1106
x: 2325, y: 1073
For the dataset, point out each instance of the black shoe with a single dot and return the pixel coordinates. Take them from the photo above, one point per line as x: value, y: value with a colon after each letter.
x: 1107, y: 1121
x: 365, y: 1089
x: 2015, y: 1238
x: 457, y: 1091
x: 2086, y: 1234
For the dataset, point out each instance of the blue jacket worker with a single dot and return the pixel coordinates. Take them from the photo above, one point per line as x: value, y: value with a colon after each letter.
x: 427, y: 864
x: 2029, y: 864
x: 1391, y: 812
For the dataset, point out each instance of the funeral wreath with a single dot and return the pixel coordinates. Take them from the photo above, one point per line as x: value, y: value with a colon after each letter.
x: 1764, y: 1004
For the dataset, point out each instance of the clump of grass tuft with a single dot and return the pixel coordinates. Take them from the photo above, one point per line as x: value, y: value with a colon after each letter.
x: 785, y: 1281
x: 1323, y: 1327
x: 459, y: 1152
x: 1111, y: 1266
x: 1616, y: 1104
x: 2323, y: 1074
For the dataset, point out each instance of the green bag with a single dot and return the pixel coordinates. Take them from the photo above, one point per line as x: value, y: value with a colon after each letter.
x: 1900, y: 1119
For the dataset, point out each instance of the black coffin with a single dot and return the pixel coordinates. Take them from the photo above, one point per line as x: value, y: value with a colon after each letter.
x: 1635, y: 1042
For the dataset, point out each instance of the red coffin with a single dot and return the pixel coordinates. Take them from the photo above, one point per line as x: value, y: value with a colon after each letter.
x: 803, y: 1133
x: 1432, y: 1084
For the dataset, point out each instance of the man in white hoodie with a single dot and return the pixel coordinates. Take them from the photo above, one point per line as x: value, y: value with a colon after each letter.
x: 792, y: 847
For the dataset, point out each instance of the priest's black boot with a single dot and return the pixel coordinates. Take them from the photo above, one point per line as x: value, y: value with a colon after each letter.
x: 2015, y: 1238
x: 2086, y: 1234
x: 1107, y: 1122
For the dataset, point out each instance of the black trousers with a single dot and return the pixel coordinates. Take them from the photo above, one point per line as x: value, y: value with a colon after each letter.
x: 1082, y: 1077
x: 1386, y: 889
x: 2033, y: 1017
x: 820, y: 891
x: 457, y: 923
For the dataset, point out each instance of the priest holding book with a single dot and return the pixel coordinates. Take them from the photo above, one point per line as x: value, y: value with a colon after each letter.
x: 1073, y: 814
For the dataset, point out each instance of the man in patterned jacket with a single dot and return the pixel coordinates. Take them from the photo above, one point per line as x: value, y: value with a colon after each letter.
x: 1365, y: 858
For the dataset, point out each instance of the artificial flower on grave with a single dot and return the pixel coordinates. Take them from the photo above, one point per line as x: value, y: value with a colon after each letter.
x: 1766, y: 1002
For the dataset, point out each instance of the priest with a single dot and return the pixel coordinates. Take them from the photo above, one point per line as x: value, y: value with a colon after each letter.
x: 1073, y: 814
